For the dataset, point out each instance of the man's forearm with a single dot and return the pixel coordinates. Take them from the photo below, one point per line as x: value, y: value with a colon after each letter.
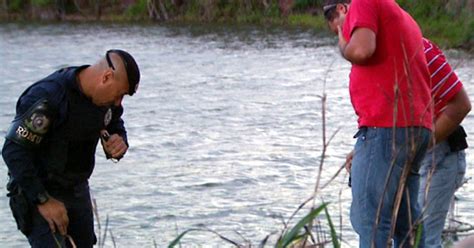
x: 361, y: 46
x: 452, y: 116
x: 443, y: 127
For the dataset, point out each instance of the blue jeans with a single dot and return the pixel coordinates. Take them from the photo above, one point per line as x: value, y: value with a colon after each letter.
x: 448, y: 172
x: 81, y: 221
x: 380, y: 155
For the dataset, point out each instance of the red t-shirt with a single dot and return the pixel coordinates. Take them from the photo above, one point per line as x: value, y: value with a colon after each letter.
x: 373, y: 86
x: 445, y: 84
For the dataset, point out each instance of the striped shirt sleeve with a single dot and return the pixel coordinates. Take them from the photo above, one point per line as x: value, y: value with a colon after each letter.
x: 445, y: 84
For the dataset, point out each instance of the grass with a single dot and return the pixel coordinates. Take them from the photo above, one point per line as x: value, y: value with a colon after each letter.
x: 441, y: 21
x: 449, y: 32
x: 306, y: 20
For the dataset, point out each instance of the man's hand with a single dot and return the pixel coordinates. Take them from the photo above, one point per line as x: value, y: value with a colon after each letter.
x: 342, y: 42
x: 115, y: 146
x: 349, y: 161
x: 55, y: 213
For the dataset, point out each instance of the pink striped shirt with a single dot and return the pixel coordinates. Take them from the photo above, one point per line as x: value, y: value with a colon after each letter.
x: 445, y: 84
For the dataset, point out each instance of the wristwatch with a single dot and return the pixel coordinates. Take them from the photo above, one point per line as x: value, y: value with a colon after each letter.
x: 42, y: 198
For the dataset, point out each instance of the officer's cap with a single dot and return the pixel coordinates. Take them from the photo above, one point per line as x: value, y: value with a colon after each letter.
x: 131, y: 67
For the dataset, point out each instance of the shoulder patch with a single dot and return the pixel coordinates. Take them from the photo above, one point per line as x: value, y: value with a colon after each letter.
x: 30, y: 129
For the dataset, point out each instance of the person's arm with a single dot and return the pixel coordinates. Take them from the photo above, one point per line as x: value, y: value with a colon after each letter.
x: 21, y: 142
x: 361, y: 46
x: 20, y: 167
x: 348, y: 163
x: 32, y: 121
x: 116, y: 145
x: 452, y: 115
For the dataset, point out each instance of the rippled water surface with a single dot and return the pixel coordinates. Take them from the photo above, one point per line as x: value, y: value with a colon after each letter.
x: 225, y: 130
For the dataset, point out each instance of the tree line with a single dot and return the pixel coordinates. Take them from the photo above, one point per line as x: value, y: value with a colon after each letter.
x: 158, y: 10
x: 449, y: 22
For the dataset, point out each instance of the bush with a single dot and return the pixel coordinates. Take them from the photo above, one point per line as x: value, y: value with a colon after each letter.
x: 41, y: 3
x: 16, y: 5
x: 423, y: 8
x: 448, y: 28
x: 139, y: 9
x: 307, y: 4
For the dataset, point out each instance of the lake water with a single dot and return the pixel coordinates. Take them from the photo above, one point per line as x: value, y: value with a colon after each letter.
x: 225, y: 130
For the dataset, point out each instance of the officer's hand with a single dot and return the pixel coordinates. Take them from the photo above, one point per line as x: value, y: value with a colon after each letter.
x: 54, y: 212
x: 115, y: 146
x: 349, y: 161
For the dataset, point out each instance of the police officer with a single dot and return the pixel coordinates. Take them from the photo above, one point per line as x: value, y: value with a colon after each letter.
x: 50, y: 147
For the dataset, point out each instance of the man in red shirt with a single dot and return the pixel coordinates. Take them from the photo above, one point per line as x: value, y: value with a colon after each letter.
x: 390, y: 92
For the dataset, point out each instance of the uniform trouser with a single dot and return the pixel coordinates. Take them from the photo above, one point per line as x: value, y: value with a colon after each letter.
x: 81, y: 221
x: 374, y: 179
x: 448, y: 170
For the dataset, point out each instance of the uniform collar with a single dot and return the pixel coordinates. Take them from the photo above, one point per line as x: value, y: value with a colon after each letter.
x: 72, y: 77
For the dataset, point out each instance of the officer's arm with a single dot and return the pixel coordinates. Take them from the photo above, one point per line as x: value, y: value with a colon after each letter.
x: 22, y: 139
x: 116, y: 145
x: 116, y: 125
x: 21, y: 168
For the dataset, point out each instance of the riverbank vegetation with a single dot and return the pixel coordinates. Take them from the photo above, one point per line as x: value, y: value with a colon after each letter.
x: 450, y: 23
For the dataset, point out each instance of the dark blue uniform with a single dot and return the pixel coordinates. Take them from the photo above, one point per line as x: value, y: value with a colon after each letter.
x: 50, y: 148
